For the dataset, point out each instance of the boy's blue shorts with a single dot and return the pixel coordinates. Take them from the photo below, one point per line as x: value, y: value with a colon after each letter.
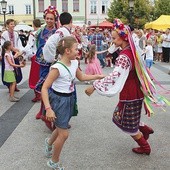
x: 149, y: 63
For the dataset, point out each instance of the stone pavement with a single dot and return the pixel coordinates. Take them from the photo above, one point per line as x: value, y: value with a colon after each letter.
x: 95, y: 143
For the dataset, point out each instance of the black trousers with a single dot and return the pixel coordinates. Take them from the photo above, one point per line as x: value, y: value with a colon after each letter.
x: 166, y: 54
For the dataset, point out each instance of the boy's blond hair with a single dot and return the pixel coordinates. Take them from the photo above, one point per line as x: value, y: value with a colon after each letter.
x: 149, y: 42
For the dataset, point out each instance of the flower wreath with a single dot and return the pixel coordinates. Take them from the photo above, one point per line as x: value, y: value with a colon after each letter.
x: 52, y: 10
x: 121, y: 29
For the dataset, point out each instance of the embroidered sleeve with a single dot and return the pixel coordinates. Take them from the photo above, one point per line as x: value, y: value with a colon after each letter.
x: 60, y: 34
x: 50, y: 48
x: 18, y: 43
x: 114, y: 82
x: 3, y: 38
x: 30, y: 48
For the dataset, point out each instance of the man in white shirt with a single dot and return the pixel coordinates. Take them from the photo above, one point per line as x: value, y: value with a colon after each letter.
x: 166, y: 46
x: 49, y: 50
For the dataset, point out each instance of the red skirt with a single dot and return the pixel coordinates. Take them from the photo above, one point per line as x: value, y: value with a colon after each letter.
x: 80, y: 53
x: 127, y: 115
x: 34, y: 73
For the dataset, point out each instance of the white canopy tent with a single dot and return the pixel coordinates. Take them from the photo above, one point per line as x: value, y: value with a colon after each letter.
x: 23, y: 26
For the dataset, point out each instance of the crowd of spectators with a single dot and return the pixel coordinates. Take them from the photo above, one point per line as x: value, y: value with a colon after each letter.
x: 103, y: 40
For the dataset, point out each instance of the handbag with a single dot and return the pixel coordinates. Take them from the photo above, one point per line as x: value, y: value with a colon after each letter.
x: 75, y: 107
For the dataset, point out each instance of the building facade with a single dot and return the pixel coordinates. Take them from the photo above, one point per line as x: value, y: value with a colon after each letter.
x: 75, y: 7
x: 19, y: 11
x: 96, y: 11
x: 83, y: 11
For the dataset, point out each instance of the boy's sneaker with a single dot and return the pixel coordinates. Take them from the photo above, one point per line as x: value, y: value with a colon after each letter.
x: 55, y: 166
x: 48, y: 149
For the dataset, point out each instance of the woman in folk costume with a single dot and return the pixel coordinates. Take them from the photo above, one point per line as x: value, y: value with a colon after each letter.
x: 50, y: 48
x: 30, y: 51
x: 51, y: 18
x: 132, y: 80
x: 11, y: 35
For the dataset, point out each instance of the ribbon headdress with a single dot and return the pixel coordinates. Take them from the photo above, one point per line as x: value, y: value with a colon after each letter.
x: 151, y: 96
x: 120, y: 28
x: 49, y: 10
x: 52, y: 10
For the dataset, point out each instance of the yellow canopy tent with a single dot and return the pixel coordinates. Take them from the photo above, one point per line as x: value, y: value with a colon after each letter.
x: 162, y: 23
x: 148, y: 25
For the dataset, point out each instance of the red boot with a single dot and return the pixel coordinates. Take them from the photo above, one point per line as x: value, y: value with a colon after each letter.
x: 86, y: 61
x: 146, y: 131
x: 16, y: 89
x: 39, y: 114
x: 109, y: 63
x: 144, y: 147
x: 49, y: 124
x: 37, y: 97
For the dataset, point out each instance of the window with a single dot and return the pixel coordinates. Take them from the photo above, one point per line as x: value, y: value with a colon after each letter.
x: 65, y: 5
x: 41, y: 5
x: 75, y: 5
x: 28, y: 9
x: 11, y: 9
x: 53, y: 3
x: 104, y: 6
x: 93, y: 7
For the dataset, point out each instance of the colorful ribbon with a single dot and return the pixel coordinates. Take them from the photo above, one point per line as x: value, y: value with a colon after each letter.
x: 151, y: 96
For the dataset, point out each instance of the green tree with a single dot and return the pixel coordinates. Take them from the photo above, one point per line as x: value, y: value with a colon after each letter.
x: 141, y: 12
x: 162, y: 7
x: 118, y: 9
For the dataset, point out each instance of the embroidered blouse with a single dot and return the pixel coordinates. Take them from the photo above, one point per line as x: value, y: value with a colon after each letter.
x: 42, y: 38
x: 13, y: 37
x: 122, y: 80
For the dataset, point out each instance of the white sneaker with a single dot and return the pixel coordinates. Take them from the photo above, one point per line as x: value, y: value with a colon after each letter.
x: 17, y: 97
x: 13, y: 99
x: 48, y: 149
x: 55, y: 166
